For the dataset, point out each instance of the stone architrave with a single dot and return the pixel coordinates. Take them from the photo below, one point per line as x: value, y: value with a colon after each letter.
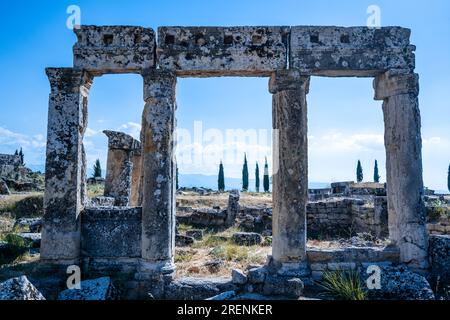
x: 67, y: 121
x: 407, y: 218
x: 290, y: 169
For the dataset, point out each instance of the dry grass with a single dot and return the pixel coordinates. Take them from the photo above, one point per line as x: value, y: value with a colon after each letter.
x: 8, y: 203
x: 95, y: 190
x: 216, y: 246
x: 191, y: 261
x: 247, y: 199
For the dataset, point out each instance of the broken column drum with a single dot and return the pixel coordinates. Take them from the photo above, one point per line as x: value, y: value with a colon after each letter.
x: 120, y: 167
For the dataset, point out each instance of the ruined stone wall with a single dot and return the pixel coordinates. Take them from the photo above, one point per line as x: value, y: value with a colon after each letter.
x: 9, y: 159
x: 321, y: 260
x: 9, y: 164
x: 329, y: 217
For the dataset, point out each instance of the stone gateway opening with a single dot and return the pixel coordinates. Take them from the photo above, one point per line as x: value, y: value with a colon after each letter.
x: 221, y: 230
x: 289, y: 56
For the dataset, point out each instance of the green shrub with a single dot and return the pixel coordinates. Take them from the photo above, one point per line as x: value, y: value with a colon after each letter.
x: 343, y: 285
x: 15, y: 248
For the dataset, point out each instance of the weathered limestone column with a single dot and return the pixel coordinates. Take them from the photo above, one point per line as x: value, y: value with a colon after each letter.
x: 67, y: 121
x: 290, y: 169
x: 119, y: 171
x: 399, y: 91
x: 136, y: 178
x: 158, y: 205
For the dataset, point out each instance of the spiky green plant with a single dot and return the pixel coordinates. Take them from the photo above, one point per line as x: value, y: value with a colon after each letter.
x: 343, y: 285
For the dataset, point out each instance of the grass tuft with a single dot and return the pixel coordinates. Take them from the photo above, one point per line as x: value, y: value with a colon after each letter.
x: 343, y: 285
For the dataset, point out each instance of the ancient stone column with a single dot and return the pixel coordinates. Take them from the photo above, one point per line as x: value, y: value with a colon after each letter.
x: 67, y: 121
x: 158, y: 169
x: 290, y: 169
x: 399, y: 91
x: 233, y: 208
x: 136, y: 178
x: 119, y: 171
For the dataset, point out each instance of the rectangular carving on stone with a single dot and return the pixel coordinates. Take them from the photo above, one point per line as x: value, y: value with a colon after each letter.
x: 354, y: 51
x: 222, y: 51
x: 111, y: 232
x: 114, y: 49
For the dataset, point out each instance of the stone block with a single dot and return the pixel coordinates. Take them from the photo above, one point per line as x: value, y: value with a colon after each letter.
x: 247, y: 238
x: 440, y: 258
x: 111, y: 232
x: 238, y: 277
x: 218, y: 51
x: 19, y: 289
x: 114, y: 49
x: 333, y: 266
x: 354, y: 51
x: 283, y: 286
x: 257, y: 275
x: 197, y: 288
x: 95, y: 289
x: 183, y: 241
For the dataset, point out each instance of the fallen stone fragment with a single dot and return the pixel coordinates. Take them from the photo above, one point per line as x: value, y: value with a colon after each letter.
x: 95, y: 289
x: 183, y: 241
x: 238, y: 277
x: 19, y: 289
x: 247, y: 238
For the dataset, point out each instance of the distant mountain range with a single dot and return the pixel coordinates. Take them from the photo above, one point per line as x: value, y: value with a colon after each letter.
x: 210, y: 182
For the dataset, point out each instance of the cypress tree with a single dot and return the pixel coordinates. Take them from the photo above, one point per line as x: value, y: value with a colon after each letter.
x: 257, y: 177
x: 266, y: 182
x: 97, y: 169
x: 221, y: 179
x: 448, y: 178
x: 245, y: 174
x: 359, y: 172
x: 21, y: 156
x: 376, y: 176
x: 16, y: 153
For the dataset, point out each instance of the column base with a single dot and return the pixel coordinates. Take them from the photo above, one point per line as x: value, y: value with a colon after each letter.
x: 298, y: 269
x: 153, y: 278
x: 148, y: 270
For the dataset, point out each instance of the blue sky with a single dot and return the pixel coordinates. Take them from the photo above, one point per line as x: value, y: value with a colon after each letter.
x: 345, y: 124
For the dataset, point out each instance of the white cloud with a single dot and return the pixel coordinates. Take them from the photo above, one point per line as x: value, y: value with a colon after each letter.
x: 340, y: 142
x: 33, y: 146
x: 131, y: 128
x: 90, y: 132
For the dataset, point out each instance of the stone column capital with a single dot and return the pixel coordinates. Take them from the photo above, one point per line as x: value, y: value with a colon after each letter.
x: 288, y: 79
x: 68, y: 80
x: 394, y: 83
x: 159, y: 83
